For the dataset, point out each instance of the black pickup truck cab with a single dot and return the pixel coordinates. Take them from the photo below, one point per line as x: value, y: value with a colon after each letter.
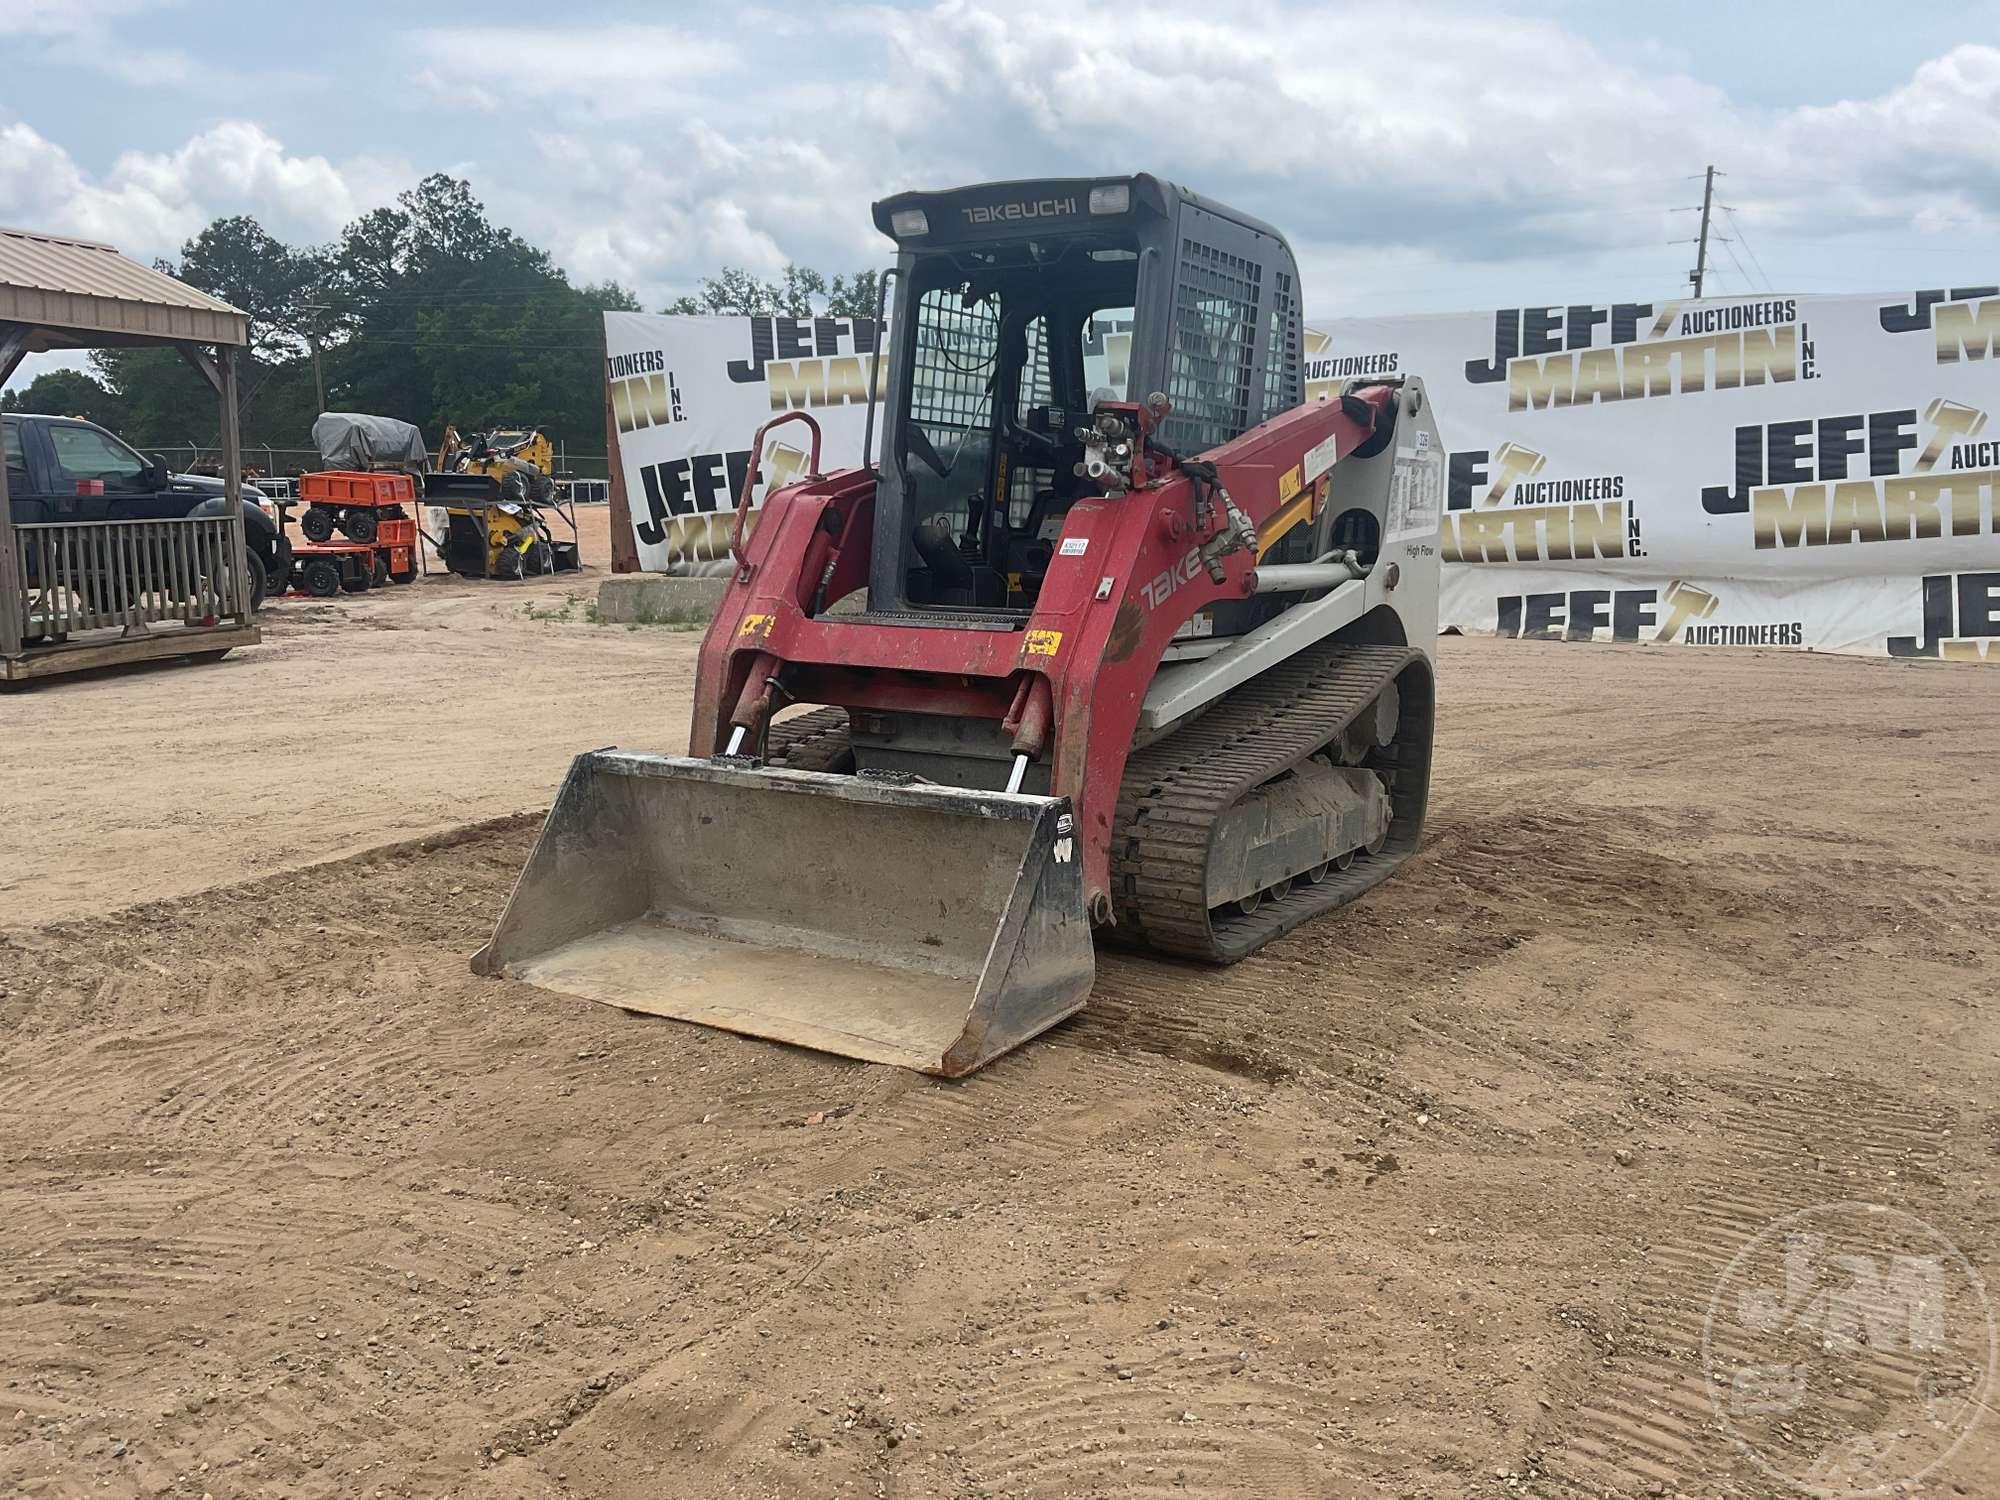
x: 66, y: 469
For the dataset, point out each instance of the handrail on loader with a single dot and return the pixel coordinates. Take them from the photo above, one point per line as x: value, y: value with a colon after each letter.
x: 750, y: 475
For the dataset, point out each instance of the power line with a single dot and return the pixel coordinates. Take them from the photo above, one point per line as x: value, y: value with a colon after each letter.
x: 1730, y: 248
x: 1747, y: 249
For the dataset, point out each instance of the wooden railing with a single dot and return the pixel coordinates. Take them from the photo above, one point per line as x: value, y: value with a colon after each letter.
x: 126, y: 575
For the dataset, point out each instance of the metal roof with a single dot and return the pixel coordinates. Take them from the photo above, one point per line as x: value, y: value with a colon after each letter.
x: 78, y: 294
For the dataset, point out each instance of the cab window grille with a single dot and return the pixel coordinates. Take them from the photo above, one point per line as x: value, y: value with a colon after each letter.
x: 1215, y: 323
x: 954, y: 359
x: 1281, y: 351
x: 952, y: 367
x: 1035, y: 387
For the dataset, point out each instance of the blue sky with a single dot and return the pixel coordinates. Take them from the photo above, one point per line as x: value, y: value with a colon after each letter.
x: 1422, y: 157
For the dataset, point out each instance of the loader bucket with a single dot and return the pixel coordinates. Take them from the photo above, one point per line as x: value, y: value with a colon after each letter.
x: 907, y: 923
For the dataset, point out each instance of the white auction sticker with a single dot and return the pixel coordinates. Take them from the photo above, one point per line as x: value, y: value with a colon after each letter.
x: 1075, y: 546
x: 1319, y: 458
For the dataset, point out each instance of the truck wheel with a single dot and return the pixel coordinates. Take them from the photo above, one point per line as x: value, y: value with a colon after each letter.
x: 381, y: 571
x: 260, y: 581
x: 359, y: 523
x: 320, y: 577
x: 317, y: 523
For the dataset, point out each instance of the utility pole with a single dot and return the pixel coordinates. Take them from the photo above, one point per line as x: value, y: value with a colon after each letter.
x: 1701, y: 245
x: 312, y: 342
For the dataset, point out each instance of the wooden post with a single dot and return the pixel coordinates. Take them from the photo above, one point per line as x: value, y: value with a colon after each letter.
x: 13, y: 342
x: 232, y: 487
x: 624, y: 544
x: 11, y: 623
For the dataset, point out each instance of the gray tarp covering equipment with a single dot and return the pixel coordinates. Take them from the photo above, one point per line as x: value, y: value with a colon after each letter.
x: 349, y: 440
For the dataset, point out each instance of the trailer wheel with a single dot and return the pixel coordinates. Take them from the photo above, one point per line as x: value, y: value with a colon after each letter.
x: 381, y: 578
x: 317, y: 523
x: 320, y: 577
x: 359, y: 523
x: 359, y: 580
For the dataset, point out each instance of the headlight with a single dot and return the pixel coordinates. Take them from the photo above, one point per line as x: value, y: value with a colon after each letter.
x: 909, y: 223
x: 1111, y: 198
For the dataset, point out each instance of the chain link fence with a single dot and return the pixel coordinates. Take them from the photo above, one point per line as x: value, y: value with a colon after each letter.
x: 583, y: 478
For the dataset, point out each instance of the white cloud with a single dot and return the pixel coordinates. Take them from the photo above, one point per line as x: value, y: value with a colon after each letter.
x: 598, y: 72
x: 656, y: 219
x: 1421, y: 151
x: 93, y: 34
x: 148, y: 202
x: 1423, y: 155
x: 64, y: 19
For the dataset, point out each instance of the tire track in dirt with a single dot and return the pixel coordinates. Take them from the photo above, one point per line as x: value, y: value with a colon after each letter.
x: 839, y: 1255
x: 1789, y: 1148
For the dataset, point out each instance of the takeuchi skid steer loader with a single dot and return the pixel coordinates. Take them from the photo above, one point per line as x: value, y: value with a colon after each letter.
x: 1145, y: 650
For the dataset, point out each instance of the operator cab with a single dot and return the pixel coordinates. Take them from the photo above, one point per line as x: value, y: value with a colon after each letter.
x: 1018, y: 307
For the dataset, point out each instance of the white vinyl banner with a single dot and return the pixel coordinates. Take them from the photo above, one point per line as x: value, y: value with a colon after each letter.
x: 686, y: 396
x: 1805, y: 472
x: 1799, y: 472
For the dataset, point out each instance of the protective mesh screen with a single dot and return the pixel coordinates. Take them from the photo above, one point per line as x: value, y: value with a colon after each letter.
x: 1215, y: 323
x: 955, y: 354
x: 1281, y: 352
x: 1035, y: 389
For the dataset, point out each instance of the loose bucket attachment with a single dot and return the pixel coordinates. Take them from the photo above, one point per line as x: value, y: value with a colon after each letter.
x: 897, y: 922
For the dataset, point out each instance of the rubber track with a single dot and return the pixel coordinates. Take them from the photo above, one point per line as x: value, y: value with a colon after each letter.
x: 1175, y: 792
x: 808, y: 742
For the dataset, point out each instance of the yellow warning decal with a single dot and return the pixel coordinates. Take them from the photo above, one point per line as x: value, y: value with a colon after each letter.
x: 1042, y: 643
x: 1290, y: 483
x: 757, y: 625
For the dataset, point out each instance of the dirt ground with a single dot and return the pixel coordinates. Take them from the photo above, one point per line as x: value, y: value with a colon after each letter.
x: 359, y: 721
x: 1425, y: 1201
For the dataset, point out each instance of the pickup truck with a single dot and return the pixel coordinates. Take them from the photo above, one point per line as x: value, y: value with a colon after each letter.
x: 66, y: 469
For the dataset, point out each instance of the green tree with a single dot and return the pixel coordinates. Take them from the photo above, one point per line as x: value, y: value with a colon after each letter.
x: 166, y: 404
x: 67, y: 393
x: 437, y: 315
x: 236, y: 260
x: 801, y: 292
x: 424, y: 309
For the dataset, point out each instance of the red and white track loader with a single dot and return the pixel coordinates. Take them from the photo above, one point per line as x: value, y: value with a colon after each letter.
x: 1120, y: 636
